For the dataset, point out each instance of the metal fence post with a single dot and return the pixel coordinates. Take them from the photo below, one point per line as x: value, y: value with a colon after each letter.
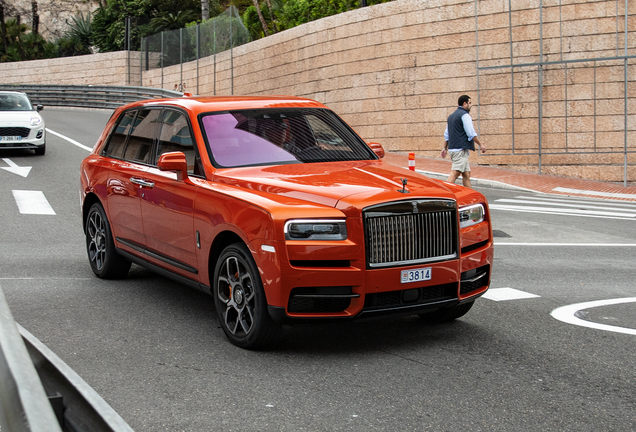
x: 181, y: 56
x: 198, y: 53
x: 161, y: 59
x: 232, y: 54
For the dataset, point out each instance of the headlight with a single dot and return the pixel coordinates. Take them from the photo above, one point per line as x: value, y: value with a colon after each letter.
x: 471, y: 215
x: 36, y: 121
x: 304, y: 229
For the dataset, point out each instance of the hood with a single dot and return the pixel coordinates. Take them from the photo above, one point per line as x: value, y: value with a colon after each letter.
x: 336, y: 184
x: 17, y: 118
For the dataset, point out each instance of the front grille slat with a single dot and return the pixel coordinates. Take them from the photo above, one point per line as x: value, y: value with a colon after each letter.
x: 15, y: 131
x: 399, y: 235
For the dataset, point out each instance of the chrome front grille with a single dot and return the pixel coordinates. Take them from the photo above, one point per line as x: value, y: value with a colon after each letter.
x: 410, y: 232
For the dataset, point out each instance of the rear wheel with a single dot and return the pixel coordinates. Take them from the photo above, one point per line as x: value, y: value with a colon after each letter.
x: 447, y: 314
x: 240, y: 300
x: 105, y: 262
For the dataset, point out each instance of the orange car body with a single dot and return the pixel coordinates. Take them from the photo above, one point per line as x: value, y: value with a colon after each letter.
x: 180, y: 224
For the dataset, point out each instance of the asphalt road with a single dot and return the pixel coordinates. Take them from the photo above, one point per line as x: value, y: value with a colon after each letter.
x: 154, y: 351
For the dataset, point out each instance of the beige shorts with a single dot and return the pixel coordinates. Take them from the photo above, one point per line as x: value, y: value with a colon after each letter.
x: 460, y: 160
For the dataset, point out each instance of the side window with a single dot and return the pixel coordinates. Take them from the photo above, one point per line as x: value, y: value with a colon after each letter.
x: 142, y: 136
x: 175, y: 136
x: 117, y: 141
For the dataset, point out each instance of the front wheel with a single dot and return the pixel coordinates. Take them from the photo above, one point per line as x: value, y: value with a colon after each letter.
x: 240, y: 300
x: 41, y: 150
x: 447, y: 314
x: 105, y: 262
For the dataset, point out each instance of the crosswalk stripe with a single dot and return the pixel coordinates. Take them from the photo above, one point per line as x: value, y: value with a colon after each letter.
x: 563, y: 211
x: 574, y: 201
x: 617, y: 212
x: 521, y: 209
x: 32, y: 202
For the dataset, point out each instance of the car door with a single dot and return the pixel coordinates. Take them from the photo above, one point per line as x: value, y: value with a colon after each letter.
x: 126, y: 166
x: 167, y: 206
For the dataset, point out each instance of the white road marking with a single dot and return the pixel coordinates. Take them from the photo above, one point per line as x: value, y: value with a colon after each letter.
x: 72, y: 141
x: 525, y: 210
x: 15, y: 169
x: 567, y: 314
x: 32, y: 202
x: 595, y: 193
x: 588, y: 207
x: 571, y: 212
x: 501, y: 294
x: 605, y: 203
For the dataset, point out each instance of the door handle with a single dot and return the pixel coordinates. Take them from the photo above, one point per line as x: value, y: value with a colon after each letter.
x: 142, y: 182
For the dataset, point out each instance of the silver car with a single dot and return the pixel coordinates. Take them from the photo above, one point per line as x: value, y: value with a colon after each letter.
x: 21, y: 125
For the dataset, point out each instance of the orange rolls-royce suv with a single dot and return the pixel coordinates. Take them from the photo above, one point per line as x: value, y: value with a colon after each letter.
x: 276, y: 208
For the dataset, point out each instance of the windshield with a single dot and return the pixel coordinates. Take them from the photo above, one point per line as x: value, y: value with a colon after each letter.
x: 281, y: 136
x: 14, y: 102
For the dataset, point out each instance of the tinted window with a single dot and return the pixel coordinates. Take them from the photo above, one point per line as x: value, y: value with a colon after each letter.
x: 14, y: 102
x: 142, y: 136
x: 117, y: 141
x: 274, y: 136
x: 175, y: 136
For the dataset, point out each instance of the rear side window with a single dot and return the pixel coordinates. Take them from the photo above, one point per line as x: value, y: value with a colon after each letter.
x: 117, y: 142
x: 142, y: 136
x: 176, y: 136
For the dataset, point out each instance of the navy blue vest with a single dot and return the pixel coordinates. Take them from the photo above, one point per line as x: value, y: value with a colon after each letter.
x: 457, y: 136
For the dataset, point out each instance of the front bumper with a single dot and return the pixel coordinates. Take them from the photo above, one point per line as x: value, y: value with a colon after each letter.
x: 358, y: 293
x: 36, y: 139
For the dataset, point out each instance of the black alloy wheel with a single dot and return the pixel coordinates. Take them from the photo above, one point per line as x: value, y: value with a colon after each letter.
x: 240, y: 300
x: 105, y: 262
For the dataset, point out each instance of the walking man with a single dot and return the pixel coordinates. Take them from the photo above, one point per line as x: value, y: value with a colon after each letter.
x: 460, y: 137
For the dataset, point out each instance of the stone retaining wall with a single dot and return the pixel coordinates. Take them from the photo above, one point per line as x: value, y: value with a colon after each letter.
x: 394, y: 71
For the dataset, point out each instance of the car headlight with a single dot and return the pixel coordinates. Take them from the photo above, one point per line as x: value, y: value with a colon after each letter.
x: 36, y: 121
x: 471, y: 215
x: 305, y: 229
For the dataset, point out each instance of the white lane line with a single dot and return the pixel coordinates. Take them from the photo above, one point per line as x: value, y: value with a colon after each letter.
x: 567, y: 314
x: 567, y: 244
x: 581, y: 207
x: 589, y: 192
x: 72, y: 141
x: 501, y: 294
x: 597, y: 201
x: 32, y: 202
x: 15, y: 169
x: 522, y: 209
x: 568, y: 211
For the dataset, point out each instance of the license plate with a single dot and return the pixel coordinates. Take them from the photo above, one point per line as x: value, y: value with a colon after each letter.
x: 10, y: 138
x: 416, y: 275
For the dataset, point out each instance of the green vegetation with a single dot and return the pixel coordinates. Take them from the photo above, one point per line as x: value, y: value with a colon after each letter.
x: 104, y: 30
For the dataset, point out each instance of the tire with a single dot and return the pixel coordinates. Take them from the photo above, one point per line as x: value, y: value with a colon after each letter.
x: 447, y: 314
x: 240, y: 300
x: 105, y: 262
x: 41, y: 150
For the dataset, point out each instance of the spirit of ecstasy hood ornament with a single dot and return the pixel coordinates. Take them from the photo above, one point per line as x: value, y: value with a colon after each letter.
x: 403, y: 190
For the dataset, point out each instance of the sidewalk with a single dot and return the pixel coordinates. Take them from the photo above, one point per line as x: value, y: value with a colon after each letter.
x: 510, y: 179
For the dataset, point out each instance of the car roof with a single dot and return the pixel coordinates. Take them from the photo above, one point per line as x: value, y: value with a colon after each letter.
x: 13, y: 92
x: 198, y: 105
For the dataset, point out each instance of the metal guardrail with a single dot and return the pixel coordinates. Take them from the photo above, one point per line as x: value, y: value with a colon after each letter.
x: 40, y: 393
x: 90, y: 96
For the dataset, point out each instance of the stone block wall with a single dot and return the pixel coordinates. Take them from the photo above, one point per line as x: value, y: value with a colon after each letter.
x: 394, y: 72
x: 97, y: 69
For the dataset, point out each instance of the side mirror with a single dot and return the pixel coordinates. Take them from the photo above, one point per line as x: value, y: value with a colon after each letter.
x: 174, y: 161
x: 377, y: 149
x: 40, y: 108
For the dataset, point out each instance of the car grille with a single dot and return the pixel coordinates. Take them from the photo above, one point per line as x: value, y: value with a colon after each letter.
x: 410, y: 232
x: 410, y: 297
x: 15, y: 131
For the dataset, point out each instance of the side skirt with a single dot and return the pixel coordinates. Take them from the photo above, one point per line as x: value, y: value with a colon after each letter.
x: 165, y: 273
